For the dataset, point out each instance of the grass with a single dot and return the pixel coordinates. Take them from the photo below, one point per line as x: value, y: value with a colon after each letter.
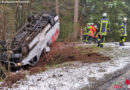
x: 56, y: 64
x: 98, y: 49
x: 68, y: 63
x: 3, y: 72
x: 108, y: 48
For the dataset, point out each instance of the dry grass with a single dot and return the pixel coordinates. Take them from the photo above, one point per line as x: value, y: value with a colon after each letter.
x: 36, y: 70
x: 4, y: 70
x: 14, y: 77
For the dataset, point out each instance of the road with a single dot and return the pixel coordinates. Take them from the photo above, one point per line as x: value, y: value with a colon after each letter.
x: 118, y: 83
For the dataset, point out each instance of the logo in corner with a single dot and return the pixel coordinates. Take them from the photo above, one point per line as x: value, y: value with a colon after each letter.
x: 127, y: 82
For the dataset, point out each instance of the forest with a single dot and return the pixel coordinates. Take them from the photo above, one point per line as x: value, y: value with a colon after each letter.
x: 14, y: 15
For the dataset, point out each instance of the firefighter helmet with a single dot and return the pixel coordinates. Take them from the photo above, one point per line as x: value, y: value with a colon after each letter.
x: 104, y: 14
x: 91, y: 23
x: 95, y: 26
x: 125, y: 19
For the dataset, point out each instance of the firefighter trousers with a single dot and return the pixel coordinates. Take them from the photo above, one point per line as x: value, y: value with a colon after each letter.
x: 85, y: 38
x: 101, y: 40
x: 90, y: 38
x: 122, y: 40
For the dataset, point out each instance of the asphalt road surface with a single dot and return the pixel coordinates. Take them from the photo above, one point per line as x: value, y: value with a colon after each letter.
x: 119, y: 83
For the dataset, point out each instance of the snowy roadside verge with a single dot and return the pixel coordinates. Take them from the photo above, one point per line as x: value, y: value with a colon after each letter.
x: 78, y: 75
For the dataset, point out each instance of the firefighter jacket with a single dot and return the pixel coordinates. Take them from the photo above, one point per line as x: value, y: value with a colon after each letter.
x: 103, y: 26
x: 91, y: 31
x: 123, y: 31
x: 85, y: 31
x: 94, y: 30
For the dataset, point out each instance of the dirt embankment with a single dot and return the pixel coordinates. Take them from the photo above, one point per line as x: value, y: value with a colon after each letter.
x: 63, y: 52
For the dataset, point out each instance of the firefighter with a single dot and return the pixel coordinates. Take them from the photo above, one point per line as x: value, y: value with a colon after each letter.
x: 95, y: 35
x: 123, y: 32
x: 85, y: 39
x: 103, y: 28
x: 84, y: 32
x: 91, y: 33
x: 81, y: 34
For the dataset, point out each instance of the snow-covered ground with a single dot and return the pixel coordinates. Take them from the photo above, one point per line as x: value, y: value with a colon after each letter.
x: 77, y: 75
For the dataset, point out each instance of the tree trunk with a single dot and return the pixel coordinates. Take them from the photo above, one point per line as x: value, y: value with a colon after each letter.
x: 5, y: 26
x: 30, y: 11
x: 57, y: 6
x: 76, y: 9
x: 17, y: 16
x: 44, y: 3
x: 0, y: 28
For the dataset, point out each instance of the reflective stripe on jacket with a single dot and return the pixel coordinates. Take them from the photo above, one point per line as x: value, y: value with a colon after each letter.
x: 123, y: 31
